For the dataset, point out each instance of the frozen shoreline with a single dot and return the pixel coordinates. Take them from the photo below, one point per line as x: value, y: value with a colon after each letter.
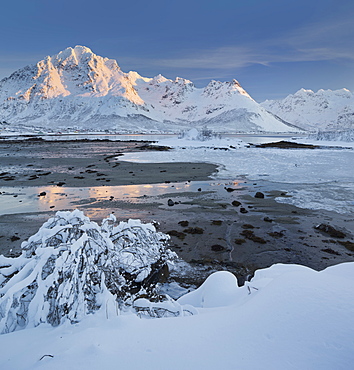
x: 203, y: 202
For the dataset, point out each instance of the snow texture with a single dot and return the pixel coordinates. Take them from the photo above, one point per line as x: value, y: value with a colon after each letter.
x: 77, y: 88
x: 287, y: 317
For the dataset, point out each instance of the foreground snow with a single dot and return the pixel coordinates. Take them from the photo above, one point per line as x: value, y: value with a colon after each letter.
x: 287, y: 317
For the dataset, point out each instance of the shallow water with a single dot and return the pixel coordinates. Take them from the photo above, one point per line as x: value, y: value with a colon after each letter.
x: 28, y: 199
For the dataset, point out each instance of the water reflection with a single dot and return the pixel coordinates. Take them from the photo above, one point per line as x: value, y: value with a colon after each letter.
x: 46, y: 198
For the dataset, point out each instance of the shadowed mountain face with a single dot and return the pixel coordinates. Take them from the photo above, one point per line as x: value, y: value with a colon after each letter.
x: 77, y: 88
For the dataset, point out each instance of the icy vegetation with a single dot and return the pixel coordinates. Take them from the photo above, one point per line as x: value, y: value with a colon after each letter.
x: 325, y: 110
x: 203, y: 134
x: 76, y: 88
x: 73, y: 267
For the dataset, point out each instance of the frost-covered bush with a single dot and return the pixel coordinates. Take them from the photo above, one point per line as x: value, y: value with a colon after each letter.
x: 203, y: 134
x: 166, y: 308
x: 73, y: 267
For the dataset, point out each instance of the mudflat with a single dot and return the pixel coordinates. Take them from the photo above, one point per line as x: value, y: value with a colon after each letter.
x: 213, y: 225
x: 85, y: 163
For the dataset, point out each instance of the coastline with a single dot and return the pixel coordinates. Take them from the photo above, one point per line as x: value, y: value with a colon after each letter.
x: 206, y: 224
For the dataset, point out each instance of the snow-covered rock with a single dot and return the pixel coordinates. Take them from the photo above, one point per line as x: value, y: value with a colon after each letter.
x: 78, y: 88
x: 325, y: 109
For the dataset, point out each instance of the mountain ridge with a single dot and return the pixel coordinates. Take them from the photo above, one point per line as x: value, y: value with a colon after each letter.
x: 321, y: 110
x: 77, y: 88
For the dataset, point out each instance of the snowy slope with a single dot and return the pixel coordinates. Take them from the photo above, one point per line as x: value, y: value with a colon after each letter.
x: 78, y: 88
x: 324, y: 109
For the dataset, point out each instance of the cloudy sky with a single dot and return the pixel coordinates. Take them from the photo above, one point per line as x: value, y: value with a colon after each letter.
x: 272, y: 47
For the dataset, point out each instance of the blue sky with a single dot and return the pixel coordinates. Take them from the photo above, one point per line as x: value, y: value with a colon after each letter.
x: 272, y: 47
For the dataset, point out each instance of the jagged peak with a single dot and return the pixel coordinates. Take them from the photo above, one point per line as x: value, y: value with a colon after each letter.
x: 183, y: 81
x: 159, y: 79
x: 321, y: 92
x: 229, y: 87
x: 77, y: 52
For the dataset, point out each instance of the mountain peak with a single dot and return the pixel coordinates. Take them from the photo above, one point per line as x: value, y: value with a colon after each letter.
x: 73, y: 56
x: 77, y: 51
x: 78, y: 87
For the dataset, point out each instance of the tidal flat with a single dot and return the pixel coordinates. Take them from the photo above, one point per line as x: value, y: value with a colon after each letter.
x: 213, y: 225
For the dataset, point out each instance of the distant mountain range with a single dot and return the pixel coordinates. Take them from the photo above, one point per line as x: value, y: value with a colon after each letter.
x: 78, y: 89
x: 324, y: 110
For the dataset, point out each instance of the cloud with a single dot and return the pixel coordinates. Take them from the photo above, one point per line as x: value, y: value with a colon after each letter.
x: 328, y: 40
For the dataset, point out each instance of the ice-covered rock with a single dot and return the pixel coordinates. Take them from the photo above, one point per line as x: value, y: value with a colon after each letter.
x: 219, y: 289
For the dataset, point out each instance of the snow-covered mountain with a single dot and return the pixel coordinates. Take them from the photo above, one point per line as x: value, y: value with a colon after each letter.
x: 323, y: 110
x: 77, y: 88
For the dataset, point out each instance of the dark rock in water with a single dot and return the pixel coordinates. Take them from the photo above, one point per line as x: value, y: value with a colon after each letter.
x: 236, y: 203
x: 177, y: 234
x: 249, y: 234
x: 199, y: 189
x: 42, y: 194
x: 170, y: 202
x: 217, y: 248
x: 239, y: 241
x: 330, y: 251
x: 216, y: 222
x: 247, y: 226
x: 331, y: 231
x: 258, y: 239
x: 349, y: 245
x: 267, y: 219
x: 243, y: 210
x: 194, y: 230
x: 259, y: 195
x: 183, y: 223
x: 276, y: 234
x: 60, y: 183
x: 230, y: 190
x: 14, y: 238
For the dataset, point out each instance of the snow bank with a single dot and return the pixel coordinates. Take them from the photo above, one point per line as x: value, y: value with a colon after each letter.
x: 219, y: 289
x: 286, y: 317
